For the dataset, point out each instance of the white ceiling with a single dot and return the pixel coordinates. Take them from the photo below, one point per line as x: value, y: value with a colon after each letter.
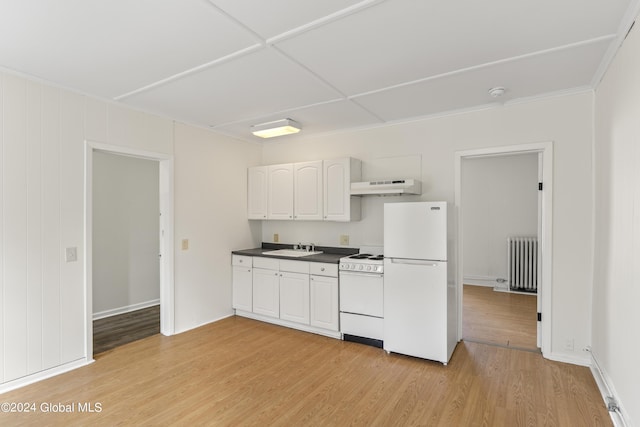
x: 330, y: 64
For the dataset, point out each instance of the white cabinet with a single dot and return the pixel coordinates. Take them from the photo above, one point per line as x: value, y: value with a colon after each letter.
x: 280, y: 192
x: 307, y: 184
x: 323, y: 288
x: 257, y: 182
x: 294, y: 297
x: 242, y: 283
x: 266, y: 292
x: 338, y: 204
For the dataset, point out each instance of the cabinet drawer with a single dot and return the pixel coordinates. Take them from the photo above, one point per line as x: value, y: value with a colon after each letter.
x: 268, y: 263
x: 241, y: 260
x: 294, y: 266
x: 323, y: 269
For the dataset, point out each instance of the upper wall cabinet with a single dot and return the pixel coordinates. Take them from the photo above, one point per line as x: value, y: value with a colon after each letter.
x: 257, y: 192
x: 280, y: 191
x: 307, y: 185
x: 339, y: 205
x: 317, y: 190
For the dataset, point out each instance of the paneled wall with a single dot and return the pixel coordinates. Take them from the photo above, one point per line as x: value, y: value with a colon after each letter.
x: 42, y: 214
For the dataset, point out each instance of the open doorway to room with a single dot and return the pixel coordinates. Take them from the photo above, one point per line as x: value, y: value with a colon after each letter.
x: 129, y: 245
x: 126, y: 266
x: 501, y: 213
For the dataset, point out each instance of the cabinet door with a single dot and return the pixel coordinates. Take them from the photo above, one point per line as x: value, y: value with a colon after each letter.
x: 257, y: 192
x: 338, y: 204
x: 307, y: 184
x: 324, y: 302
x: 266, y: 293
x: 294, y: 297
x: 280, y: 191
x: 242, y: 288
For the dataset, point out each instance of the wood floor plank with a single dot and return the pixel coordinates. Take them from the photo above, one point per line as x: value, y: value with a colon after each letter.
x: 243, y: 372
x: 500, y: 318
x: 114, y: 331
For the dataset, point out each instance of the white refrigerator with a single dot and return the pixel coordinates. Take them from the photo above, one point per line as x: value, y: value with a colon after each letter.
x: 420, y: 305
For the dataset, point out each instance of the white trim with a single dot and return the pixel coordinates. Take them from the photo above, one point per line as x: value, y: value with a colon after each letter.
x: 288, y: 324
x: 167, y: 291
x: 126, y: 309
x: 43, y: 375
x: 204, y: 324
x: 490, y: 282
x: 605, y: 385
x: 566, y: 358
x: 546, y: 240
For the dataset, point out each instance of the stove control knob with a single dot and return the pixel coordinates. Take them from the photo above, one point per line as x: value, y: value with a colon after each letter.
x: 360, y: 267
x: 353, y: 266
x: 368, y: 268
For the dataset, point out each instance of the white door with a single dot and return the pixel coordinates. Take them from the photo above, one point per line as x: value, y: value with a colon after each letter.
x: 257, y: 192
x: 294, y: 297
x: 266, y: 292
x: 280, y: 190
x: 416, y: 230
x: 415, y: 308
x: 242, y: 288
x: 307, y: 185
x: 324, y: 302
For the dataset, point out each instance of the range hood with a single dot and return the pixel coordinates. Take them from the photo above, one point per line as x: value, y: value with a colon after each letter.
x: 392, y: 187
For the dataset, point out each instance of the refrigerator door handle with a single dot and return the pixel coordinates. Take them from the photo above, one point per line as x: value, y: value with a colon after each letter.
x: 413, y: 262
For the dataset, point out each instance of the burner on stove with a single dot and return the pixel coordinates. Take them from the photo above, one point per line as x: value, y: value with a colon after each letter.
x: 377, y: 257
x: 361, y: 256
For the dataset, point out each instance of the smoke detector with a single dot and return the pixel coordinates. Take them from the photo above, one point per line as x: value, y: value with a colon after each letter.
x: 497, y: 92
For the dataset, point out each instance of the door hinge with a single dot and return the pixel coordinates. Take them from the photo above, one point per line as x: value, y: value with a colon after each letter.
x: 539, y: 186
x: 539, y: 317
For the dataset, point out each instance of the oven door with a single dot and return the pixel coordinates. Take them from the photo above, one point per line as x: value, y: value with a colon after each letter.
x: 362, y: 293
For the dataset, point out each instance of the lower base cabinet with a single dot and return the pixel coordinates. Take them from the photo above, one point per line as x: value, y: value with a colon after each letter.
x: 266, y: 292
x: 324, y: 302
x: 294, y: 297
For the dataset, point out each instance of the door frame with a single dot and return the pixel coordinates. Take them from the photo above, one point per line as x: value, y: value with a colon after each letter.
x: 167, y: 289
x: 545, y: 219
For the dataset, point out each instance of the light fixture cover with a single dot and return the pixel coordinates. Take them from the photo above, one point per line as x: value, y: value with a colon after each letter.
x: 276, y: 128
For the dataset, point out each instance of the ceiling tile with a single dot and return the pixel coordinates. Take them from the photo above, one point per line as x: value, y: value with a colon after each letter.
x: 108, y: 48
x: 405, y: 40
x: 274, y: 17
x: 541, y: 74
x: 254, y: 85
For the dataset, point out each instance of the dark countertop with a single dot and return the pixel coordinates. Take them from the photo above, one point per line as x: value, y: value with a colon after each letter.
x: 329, y: 254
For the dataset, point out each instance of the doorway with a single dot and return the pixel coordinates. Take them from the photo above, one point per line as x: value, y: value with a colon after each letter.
x: 494, y: 308
x: 131, y: 231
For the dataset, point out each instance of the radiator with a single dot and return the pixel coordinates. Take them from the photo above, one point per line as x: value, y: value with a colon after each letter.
x: 522, y: 263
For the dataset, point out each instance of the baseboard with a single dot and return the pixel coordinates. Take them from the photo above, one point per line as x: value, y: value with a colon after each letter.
x: 126, y: 309
x: 43, y: 375
x: 565, y: 358
x: 480, y: 281
x: 202, y: 324
x: 620, y: 417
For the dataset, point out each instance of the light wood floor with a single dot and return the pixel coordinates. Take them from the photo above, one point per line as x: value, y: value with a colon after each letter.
x: 114, y: 331
x: 500, y: 318
x: 241, y: 372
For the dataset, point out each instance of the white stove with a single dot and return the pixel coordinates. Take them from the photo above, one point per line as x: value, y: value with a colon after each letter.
x: 362, y: 298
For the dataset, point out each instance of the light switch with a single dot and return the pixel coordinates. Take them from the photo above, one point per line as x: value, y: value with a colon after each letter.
x: 71, y: 254
x: 185, y: 244
x: 276, y: 238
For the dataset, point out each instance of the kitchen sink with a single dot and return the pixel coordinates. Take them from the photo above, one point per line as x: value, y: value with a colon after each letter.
x: 290, y: 253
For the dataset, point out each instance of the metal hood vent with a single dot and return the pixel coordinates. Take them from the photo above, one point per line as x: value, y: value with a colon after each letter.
x: 393, y: 187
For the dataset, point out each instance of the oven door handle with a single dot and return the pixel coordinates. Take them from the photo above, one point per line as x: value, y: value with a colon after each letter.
x: 356, y: 273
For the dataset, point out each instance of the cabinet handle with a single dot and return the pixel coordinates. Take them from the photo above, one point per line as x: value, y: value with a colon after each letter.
x: 321, y: 268
x: 240, y: 261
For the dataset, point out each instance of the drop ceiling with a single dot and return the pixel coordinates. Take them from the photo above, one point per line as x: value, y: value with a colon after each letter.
x: 330, y: 65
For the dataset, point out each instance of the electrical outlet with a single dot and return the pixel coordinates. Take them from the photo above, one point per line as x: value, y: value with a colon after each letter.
x: 344, y: 239
x: 276, y: 238
x: 71, y: 254
x: 185, y: 244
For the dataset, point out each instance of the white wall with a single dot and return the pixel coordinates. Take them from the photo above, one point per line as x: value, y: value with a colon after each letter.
x: 499, y: 199
x: 566, y: 120
x: 211, y: 212
x: 126, y: 267
x: 616, y: 291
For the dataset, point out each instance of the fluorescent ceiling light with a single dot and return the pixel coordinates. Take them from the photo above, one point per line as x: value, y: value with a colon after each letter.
x: 276, y: 128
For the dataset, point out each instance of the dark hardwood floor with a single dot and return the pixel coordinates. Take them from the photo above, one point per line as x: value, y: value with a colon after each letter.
x: 115, y: 331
